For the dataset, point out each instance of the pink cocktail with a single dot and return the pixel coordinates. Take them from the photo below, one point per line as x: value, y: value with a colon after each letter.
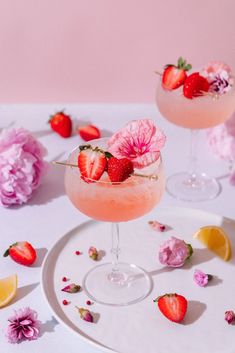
x: 196, y: 100
x: 108, y: 201
x: 198, y: 113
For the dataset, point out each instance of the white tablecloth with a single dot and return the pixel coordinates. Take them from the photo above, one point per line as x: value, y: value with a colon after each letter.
x: 49, y: 214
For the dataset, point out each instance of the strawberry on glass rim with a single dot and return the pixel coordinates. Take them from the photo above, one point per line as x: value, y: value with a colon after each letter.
x: 174, y: 75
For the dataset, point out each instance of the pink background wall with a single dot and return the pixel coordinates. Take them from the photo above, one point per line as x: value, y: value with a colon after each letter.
x: 105, y: 50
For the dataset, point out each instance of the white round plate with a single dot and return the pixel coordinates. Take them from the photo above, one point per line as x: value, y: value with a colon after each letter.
x: 141, y: 327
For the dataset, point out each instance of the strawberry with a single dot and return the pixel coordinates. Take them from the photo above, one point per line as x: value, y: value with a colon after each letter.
x: 91, y: 162
x: 22, y: 252
x: 195, y: 85
x: 119, y: 169
x: 61, y: 123
x: 88, y: 132
x: 174, y: 76
x: 173, y: 306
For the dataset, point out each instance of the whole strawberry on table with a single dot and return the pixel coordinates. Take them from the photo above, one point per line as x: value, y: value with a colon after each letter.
x: 61, y: 123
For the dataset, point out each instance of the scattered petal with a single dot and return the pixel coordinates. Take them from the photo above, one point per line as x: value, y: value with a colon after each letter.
x: 230, y: 317
x: 201, y: 278
x: 159, y: 227
x: 93, y: 253
x: 71, y: 288
x: 85, y: 314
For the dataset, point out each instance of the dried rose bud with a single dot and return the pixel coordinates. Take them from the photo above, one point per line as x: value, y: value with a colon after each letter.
x: 71, y: 288
x: 85, y: 314
x: 159, y: 227
x: 93, y: 253
x: 229, y: 317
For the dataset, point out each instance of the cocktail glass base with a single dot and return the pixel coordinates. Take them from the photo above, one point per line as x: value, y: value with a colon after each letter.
x: 194, y: 187
x: 127, y: 285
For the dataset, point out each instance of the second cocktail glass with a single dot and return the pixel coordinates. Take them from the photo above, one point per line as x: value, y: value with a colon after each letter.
x: 201, y: 112
x: 115, y: 283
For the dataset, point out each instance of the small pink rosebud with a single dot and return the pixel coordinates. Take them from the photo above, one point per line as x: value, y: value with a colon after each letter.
x: 159, y: 227
x: 71, y: 288
x: 229, y: 317
x: 93, y: 253
x: 85, y: 314
x: 201, y: 278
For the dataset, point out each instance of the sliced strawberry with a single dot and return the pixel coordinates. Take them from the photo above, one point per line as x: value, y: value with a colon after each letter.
x: 22, y: 252
x: 61, y: 123
x: 195, y: 85
x: 119, y: 169
x: 91, y: 162
x: 173, y: 306
x: 88, y: 132
x: 175, y: 75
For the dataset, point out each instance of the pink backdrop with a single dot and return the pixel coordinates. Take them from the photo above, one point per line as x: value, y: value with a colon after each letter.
x: 105, y: 50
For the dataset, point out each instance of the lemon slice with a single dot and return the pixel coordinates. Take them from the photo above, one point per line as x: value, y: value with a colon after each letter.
x: 8, y: 288
x: 216, y: 240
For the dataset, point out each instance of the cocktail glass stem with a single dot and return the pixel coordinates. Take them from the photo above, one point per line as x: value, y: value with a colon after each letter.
x: 193, y: 153
x: 116, y: 276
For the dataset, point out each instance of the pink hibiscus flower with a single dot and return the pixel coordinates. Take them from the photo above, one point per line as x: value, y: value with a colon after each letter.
x: 140, y: 141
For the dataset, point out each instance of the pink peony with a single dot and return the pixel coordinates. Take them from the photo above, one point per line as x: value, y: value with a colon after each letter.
x: 21, y: 166
x: 140, y: 141
x: 24, y: 325
x: 174, y: 252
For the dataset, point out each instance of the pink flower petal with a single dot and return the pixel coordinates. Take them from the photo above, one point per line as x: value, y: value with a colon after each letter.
x: 140, y: 141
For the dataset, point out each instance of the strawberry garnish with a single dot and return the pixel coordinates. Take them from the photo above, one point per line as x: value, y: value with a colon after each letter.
x: 88, y: 132
x: 22, y: 252
x: 91, y: 162
x: 175, y: 75
x: 61, y: 123
x: 172, y: 306
x: 195, y: 85
x: 119, y: 169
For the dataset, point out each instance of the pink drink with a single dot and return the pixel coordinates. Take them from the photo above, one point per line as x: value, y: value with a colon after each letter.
x: 121, y: 202
x: 197, y: 113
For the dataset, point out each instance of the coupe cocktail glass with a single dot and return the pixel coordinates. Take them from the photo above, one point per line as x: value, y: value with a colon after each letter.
x: 115, y: 283
x: 198, y: 113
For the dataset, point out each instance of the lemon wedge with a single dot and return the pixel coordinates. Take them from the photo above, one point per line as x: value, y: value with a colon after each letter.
x: 8, y: 289
x: 216, y: 240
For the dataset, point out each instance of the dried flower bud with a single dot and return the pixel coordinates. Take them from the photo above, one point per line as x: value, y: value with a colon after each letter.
x: 71, y: 288
x: 93, y: 253
x: 229, y: 317
x: 85, y: 314
x: 159, y: 227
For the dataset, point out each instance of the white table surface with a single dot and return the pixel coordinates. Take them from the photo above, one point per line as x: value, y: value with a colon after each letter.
x: 49, y: 214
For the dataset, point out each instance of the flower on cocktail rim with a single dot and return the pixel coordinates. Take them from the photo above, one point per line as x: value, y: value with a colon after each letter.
x: 174, y: 252
x: 201, y: 278
x: 140, y: 141
x: 219, y: 76
x: 21, y: 166
x: 24, y: 325
x: 229, y: 316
